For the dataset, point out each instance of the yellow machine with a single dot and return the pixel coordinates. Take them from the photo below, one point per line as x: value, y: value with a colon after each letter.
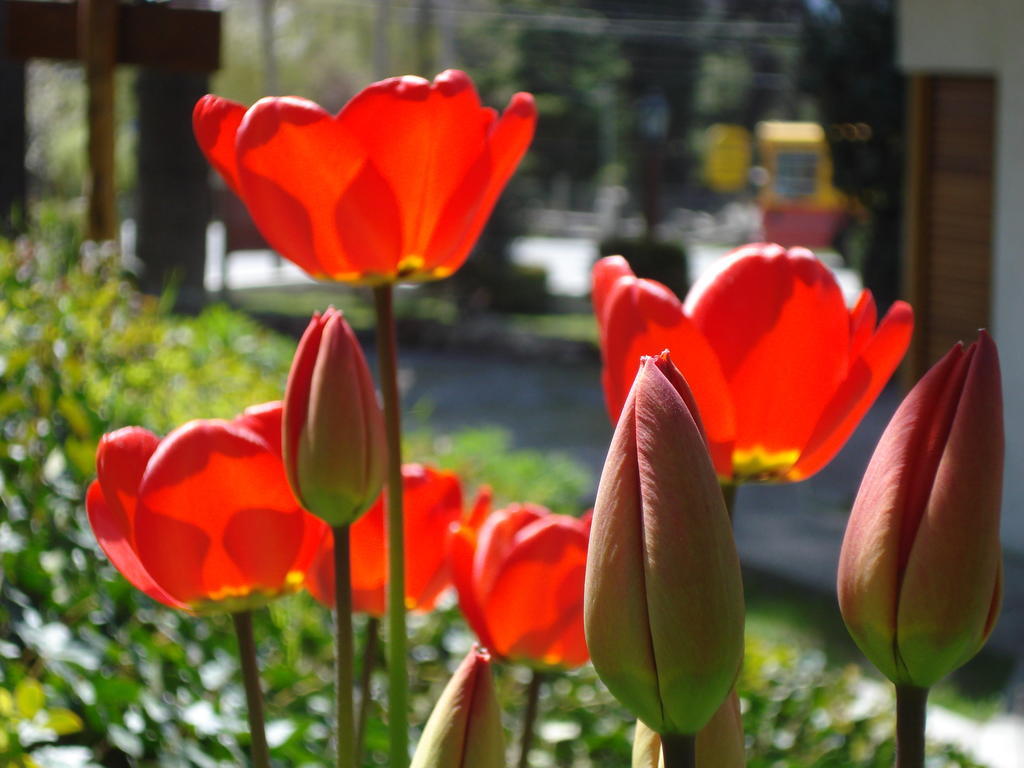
x: 799, y: 204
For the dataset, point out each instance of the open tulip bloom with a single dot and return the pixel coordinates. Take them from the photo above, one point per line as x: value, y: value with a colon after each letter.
x: 433, y: 501
x: 781, y: 370
x: 396, y: 186
x: 523, y: 550
x: 203, y: 520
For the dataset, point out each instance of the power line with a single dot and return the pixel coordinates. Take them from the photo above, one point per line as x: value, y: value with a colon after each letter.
x: 623, y: 26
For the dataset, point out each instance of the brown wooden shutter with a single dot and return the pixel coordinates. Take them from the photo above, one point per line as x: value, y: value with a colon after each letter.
x: 952, y: 135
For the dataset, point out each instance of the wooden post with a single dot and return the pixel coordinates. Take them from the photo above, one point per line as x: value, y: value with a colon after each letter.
x: 97, y: 45
x: 12, y: 137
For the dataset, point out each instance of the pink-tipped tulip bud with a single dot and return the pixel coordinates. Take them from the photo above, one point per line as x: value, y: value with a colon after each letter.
x: 719, y: 743
x: 332, y: 430
x: 663, y: 604
x: 465, y: 727
x: 920, y: 573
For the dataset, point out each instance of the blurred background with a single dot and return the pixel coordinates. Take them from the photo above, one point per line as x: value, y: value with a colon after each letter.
x: 670, y: 131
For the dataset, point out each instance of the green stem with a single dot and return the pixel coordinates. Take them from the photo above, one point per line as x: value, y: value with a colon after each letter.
x: 729, y: 494
x: 529, y: 717
x: 343, y: 648
x: 369, y: 662
x: 911, y: 706
x: 387, y: 353
x: 679, y: 751
x: 253, y: 696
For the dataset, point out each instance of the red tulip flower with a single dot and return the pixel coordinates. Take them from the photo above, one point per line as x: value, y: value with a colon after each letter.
x: 396, y: 186
x: 781, y: 370
x: 203, y: 520
x: 519, y: 574
x: 432, y: 501
x: 333, y: 439
x: 920, y: 573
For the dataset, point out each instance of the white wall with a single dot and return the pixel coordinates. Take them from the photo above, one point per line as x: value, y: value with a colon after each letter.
x: 983, y: 37
x: 947, y: 36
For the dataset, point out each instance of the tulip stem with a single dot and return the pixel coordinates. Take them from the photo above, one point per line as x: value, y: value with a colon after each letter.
x: 679, y: 751
x: 911, y: 706
x: 529, y: 717
x: 369, y: 662
x: 343, y: 647
x: 253, y: 695
x: 729, y: 494
x: 387, y: 353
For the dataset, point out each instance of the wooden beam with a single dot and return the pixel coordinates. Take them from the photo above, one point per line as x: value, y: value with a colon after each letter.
x: 915, y: 260
x: 97, y: 28
x: 149, y: 34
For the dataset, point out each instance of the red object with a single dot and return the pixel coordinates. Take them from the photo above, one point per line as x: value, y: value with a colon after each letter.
x: 808, y: 227
x: 202, y: 520
x: 334, y: 446
x: 396, y: 186
x: 781, y: 370
x: 432, y: 502
x: 519, y: 573
x: 920, y: 573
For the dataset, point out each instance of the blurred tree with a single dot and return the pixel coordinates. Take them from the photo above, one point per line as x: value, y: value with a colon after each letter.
x: 664, y: 61
x: 172, y: 191
x: 848, y: 65
x: 12, y: 131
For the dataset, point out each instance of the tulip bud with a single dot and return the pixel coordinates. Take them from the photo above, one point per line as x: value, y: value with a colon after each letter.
x: 333, y: 429
x: 465, y: 727
x: 920, y: 573
x: 719, y: 743
x: 663, y: 605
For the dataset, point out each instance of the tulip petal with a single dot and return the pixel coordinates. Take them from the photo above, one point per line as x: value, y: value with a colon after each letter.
x: 548, y: 561
x: 953, y: 567
x: 719, y: 743
x: 202, y: 484
x: 616, y: 616
x: 464, y: 729
x: 121, y: 460
x: 265, y: 420
x: 863, y: 317
x: 778, y: 325
x: 215, y: 124
x: 114, y: 537
x: 295, y: 162
x: 433, y: 501
x: 424, y: 137
x: 887, y: 512
x: 470, y: 206
x: 869, y: 372
x: 643, y: 318
x: 694, y: 625
x: 605, y: 274
x: 461, y: 546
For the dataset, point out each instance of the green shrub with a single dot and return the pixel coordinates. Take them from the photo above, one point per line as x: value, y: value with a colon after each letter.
x: 82, y: 352
x: 664, y: 262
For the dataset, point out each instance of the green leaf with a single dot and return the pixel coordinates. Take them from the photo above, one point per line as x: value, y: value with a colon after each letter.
x: 29, y: 696
x: 63, y: 721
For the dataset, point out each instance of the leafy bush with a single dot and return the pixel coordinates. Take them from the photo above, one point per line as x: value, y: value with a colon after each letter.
x: 81, y: 352
x: 664, y: 262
